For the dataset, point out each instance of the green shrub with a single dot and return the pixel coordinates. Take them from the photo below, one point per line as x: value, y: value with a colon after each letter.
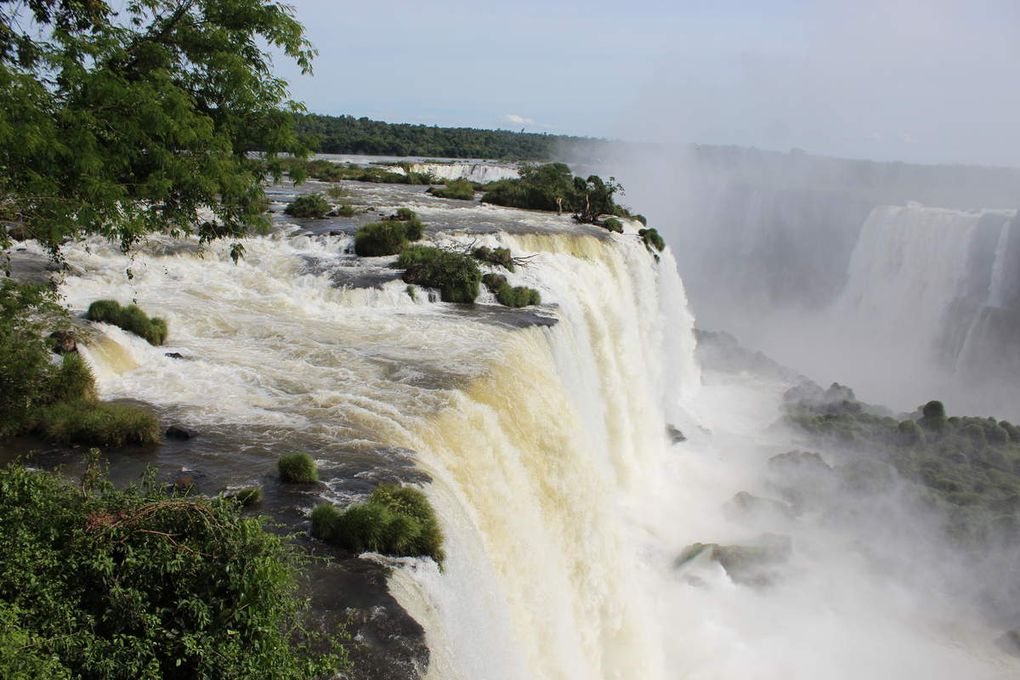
x: 501, y: 257
x: 415, y: 228
x: 933, y: 416
x: 494, y: 282
x: 130, y: 318
x: 510, y: 296
x: 613, y: 224
x: 308, y: 205
x: 96, y: 423
x: 518, y: 296
x: 73, y: 381
x: 143, y: 583
x: 377, y: 239
x: 460, y: 189
x: 652, y: 239
x: 297, y: 468
x: 455, y: 275
x: 346, y: 210
x: 337, y: 192
x: 394, y: 521
x: 910, y: 433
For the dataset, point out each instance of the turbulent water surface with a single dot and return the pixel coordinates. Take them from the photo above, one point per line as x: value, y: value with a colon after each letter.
x: 541, y: 437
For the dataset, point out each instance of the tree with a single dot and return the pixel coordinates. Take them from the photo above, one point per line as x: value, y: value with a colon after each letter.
x: 128, y: 121
x: 595, y: 197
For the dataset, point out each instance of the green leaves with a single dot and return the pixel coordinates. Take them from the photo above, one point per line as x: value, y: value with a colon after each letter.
x: 129, y: 123
x: 142, y: 583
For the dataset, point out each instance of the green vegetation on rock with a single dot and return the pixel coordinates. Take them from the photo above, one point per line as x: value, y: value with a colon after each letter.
x: 612, y: 224
x: 56, y: 401
x: 395, y: 520
x: 313, y: 206
x: 501, y: 257
x: 97, y: 582
x: 455, y: 275
x: 297, y: 468
x: 553, y: 187
x: 378, y: 239
x: 460, y: 189
x: 968, y: 466
x: 652, y: 239
x: 96, y: 423
x: 511, y: 296
x: 130, y: 318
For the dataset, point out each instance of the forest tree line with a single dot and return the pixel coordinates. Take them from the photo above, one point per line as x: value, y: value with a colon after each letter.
x: 347, y: 134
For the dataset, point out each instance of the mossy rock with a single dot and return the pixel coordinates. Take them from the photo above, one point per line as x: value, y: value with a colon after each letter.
x: 753, y: 565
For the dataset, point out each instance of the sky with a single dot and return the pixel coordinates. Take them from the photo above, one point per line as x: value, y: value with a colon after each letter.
x: 929, y: 81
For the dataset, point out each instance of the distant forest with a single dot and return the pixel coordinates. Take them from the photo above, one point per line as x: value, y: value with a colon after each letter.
x: 347, y: 134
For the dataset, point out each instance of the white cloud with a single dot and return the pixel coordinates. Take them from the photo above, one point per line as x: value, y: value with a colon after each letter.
x: 515, y: 119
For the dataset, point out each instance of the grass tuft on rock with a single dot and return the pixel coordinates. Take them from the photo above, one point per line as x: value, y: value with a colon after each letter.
x: 455, y: 275
x: 130, y: 318
x: 396, y: 520
x: 297, y: 468
x: 97, y: 423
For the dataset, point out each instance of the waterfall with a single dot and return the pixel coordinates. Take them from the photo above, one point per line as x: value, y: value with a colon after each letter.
x: 542, y: 442
x: 535, y: 465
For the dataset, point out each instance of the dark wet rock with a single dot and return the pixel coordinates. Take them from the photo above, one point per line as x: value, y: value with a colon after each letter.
x: 174, y: 355
x: 64, y: 342
x: 755, y: 564
x: 721, y: 351
x: 745, y: 505
x: 180, y: 432
x: 674, y: 434
x: 184, y: 482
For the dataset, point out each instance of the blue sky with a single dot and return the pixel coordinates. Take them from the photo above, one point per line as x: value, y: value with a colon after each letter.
x: 914, y: 80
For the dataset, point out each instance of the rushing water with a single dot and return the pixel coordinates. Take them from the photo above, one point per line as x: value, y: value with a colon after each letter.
x: 539, y: 436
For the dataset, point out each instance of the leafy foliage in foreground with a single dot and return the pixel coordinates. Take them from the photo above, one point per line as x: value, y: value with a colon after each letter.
x: 456, y: 275
x: 102, y: 583
x: 130, y: 318
x: 128, y: 121
x: 970, y: 466
x: 394, y: 521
